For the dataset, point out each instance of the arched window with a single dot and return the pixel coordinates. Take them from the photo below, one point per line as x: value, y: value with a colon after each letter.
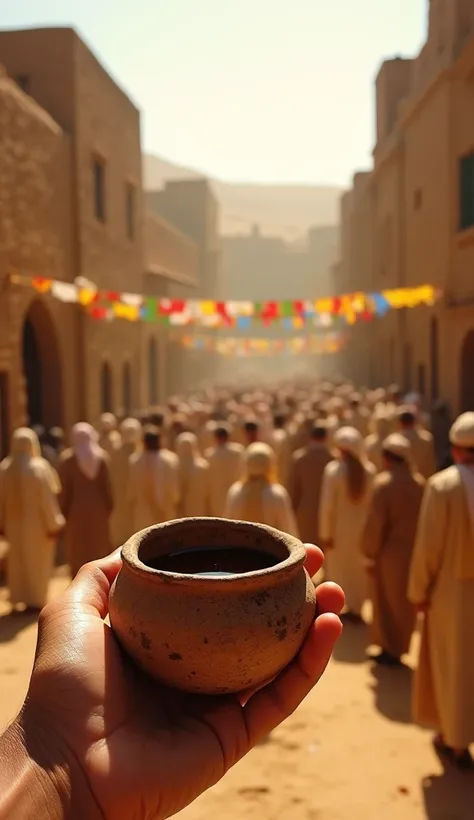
x: 127, y: 389
x: 152, y: 372
x: 434, y: 359
x: 106, y: 388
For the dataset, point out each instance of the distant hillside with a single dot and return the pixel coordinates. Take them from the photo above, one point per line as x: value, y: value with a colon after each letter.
x: 286, y: 211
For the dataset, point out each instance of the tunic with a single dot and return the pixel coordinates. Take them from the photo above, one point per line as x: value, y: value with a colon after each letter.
x: 423, y: 452
x: 306, y: 478
x: 444, y: 680
x: 388, y: 541
x: 121, y: 525
x: 276, y: 504
x: 226, y: 466
x: 342, y: 521
x: 280, y: 443
x: 87, y: 506
x: 30, y: 520
x: 195, y: 495
x: 153, y: 494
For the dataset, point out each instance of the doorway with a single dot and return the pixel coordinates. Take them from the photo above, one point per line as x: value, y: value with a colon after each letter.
x: 41, y: 368
x: 467, y: 373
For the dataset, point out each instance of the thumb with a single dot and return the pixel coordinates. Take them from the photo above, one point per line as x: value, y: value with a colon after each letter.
x: 90, y: 588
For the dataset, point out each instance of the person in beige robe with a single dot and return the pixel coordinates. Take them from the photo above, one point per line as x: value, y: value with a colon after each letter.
x: 387, y: 544
x: 306, y: 479
x: 131, y: 435
x: 109, y: 436
x: 357, y: 415
x: 193, y: 478
x: 344, y: 505
x: 259, y: 498
x: 280, y: 442
x: 441, y: 587
x: 86, y: 498
x: 381, y: 426
x: 422, y: 445
x: 226, y: 467
x: 153, y: 494
x: 30, y: 519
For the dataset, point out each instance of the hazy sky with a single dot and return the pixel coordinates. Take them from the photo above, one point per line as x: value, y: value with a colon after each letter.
x: 249, y: 90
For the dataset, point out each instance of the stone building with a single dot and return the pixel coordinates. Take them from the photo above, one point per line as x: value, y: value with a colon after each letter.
x: 71, y: 205
x: 416, y: 207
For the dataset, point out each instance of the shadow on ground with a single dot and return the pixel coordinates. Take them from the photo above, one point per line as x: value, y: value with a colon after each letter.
x: 353, y: 643
x: 449, y: 796
x: 12, y: 625
x: 392, y: 689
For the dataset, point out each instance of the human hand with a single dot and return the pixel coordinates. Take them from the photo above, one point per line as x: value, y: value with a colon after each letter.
x: 119, y: 745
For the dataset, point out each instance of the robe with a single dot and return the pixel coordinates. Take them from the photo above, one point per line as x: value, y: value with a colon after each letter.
x: 388, y: 541
x: 280, y: 443
x: 195, y: 494
x: 444, y: 680
x: 30, y: 520
x: 121, y: 526
x: 422, y: 450
x: 373, y: 451
x: 153, y: 490
x: 226, y: 467
x: 306, y: 479
x: 342, y: 521
x: 276, y: 504
x: 87, y: 505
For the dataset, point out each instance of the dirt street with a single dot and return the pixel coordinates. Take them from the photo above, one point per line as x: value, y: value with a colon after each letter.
x: 349, y: 753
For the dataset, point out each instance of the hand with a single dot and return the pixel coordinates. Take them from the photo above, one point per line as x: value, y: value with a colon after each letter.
x: 135, y: 748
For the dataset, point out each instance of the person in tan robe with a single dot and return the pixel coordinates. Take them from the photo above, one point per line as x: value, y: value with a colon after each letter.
x: 86, y: 498
x: 357, y: 415
x: 259, y: 498
x: 441, y: 586
x: 153, y: 495
x: 381, y: 426
x: 193, y: 478
x: 226, y: 466
x: 30, y: 519
x: 422, y: 446
x: 131, y: 436
x: 387, y: 544
x: 109, y: 436
x: 344, y: 505
x: 280, y: 442
x: 306, y: 479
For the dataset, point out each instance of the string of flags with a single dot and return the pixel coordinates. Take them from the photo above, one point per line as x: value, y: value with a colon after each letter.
x: 297, y: 345
x: 331, y: 312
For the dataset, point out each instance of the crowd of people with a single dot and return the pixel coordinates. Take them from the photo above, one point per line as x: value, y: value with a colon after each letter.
x: 384, y: 488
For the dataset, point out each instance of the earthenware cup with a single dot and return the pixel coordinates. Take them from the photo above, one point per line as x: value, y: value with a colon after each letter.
x: 212, y: 635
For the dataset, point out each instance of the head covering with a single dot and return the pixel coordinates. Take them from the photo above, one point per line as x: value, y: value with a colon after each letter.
x: 131, y: 430
x: 86, y: 449
x: 398, y: 445
x: 349, y: 440
x: 108, y: 422
x: 260, y: 462
x: 25, y: 444
x: 462, y: 431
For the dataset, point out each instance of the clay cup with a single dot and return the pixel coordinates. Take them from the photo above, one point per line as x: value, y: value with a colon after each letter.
x: 212, y: 635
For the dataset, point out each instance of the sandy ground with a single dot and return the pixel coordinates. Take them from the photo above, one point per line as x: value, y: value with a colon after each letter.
x: 350, y: 752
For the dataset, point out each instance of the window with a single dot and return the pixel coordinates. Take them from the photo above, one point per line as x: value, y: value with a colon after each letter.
x: 23, y: 81
x: 98, y: 175
x: 418, y: 199
x: 466, y: 192
x: 130, y: 210
x: 127, y: 389
x: 106, y: 388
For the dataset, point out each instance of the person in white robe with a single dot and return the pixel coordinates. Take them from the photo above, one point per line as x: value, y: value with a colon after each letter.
x: 153, y: 490
x: 259, y: 498
x: 226, y: 466
x: 30, y: 519
x: 193, y: 478
x: 441, y: 586
x: 131, y: 434
x: 344, y: 506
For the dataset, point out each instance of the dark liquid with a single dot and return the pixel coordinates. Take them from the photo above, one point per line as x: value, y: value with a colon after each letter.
x: 215, y: 562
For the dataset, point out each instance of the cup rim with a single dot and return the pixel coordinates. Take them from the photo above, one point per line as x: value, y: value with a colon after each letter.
x: 296, y: 554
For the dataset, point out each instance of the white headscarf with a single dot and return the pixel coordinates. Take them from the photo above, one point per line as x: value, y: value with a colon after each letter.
x: 86, y: 449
